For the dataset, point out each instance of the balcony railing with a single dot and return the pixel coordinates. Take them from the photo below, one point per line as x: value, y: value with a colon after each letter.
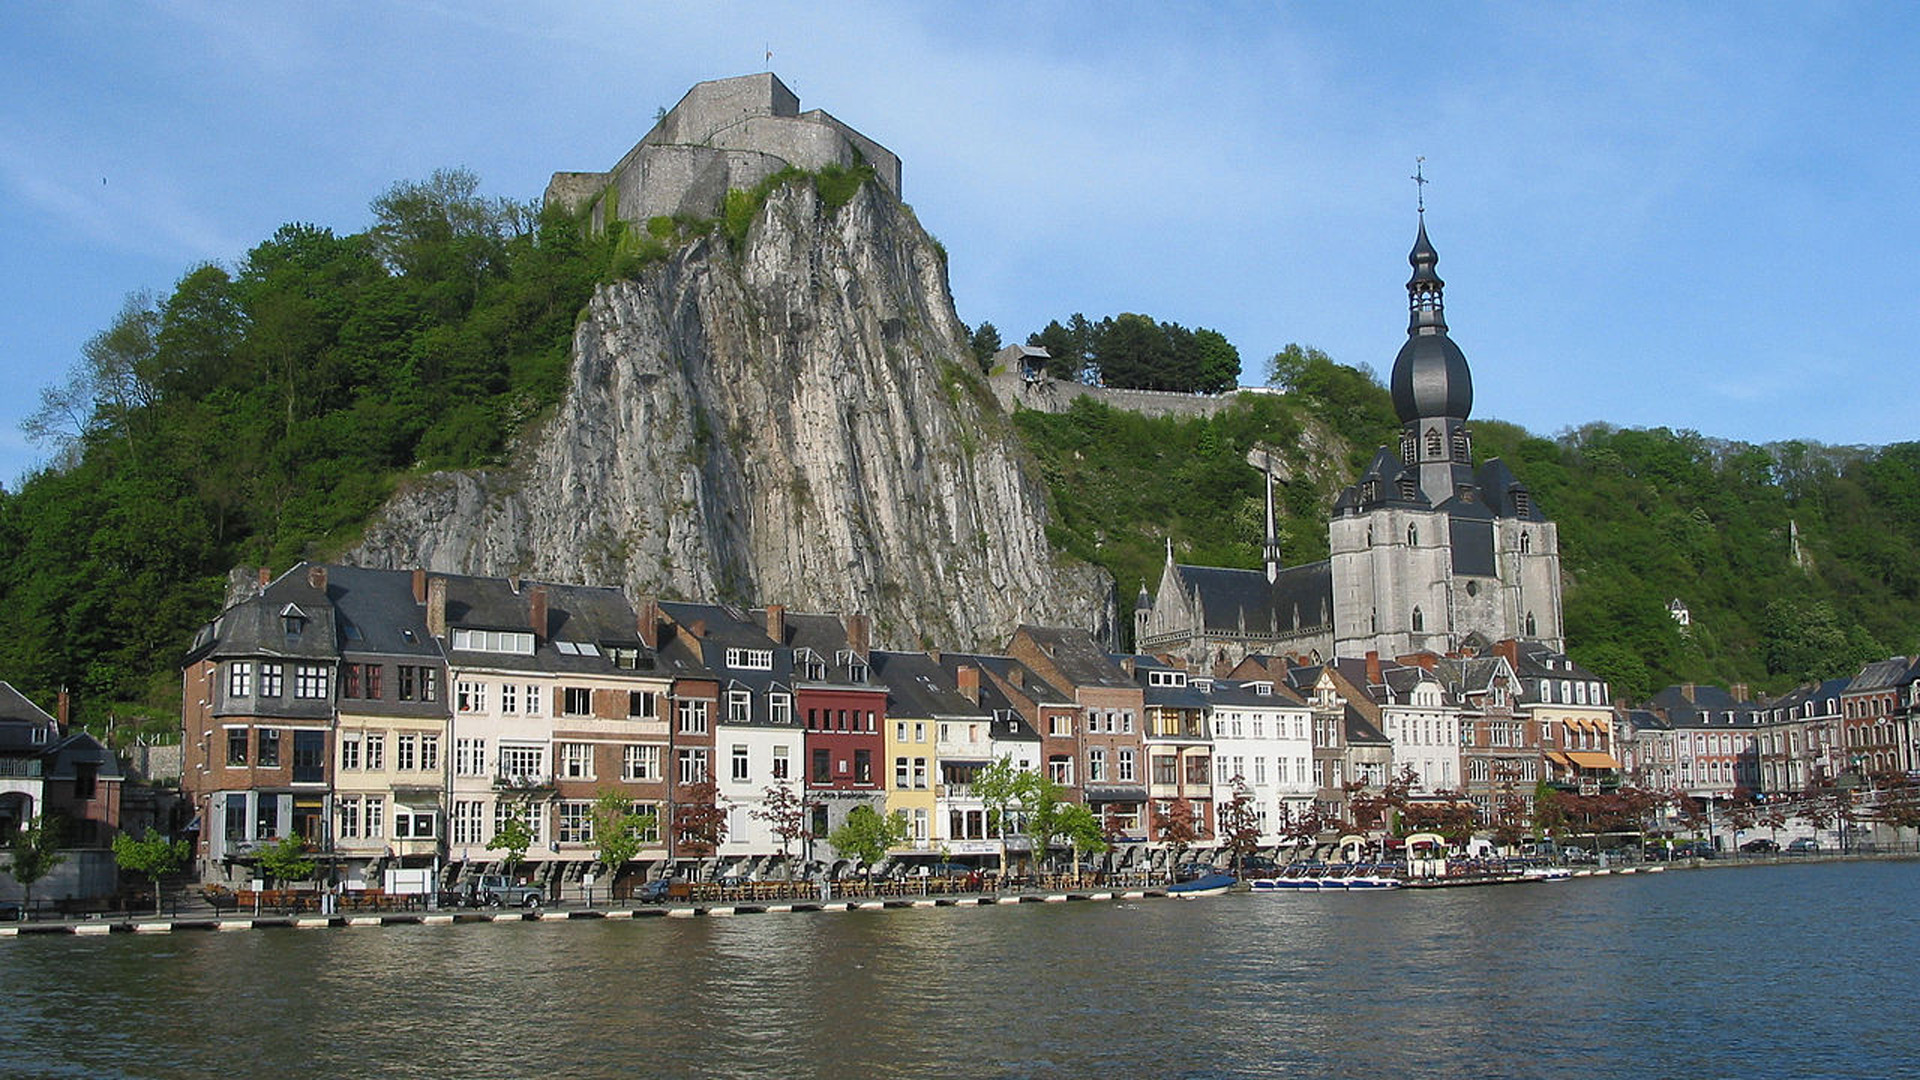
x: 527, y: 782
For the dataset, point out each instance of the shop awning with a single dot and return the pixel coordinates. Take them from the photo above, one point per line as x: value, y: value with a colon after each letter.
x: 1559, y: 759
x: 1588, y: 759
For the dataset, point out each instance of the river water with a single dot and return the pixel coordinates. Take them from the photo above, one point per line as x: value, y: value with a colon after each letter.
x: 1776, y: 971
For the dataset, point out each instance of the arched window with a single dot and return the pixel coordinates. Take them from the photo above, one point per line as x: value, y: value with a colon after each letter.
x: 1526, y: 542
x: 1435, y: 444
x: 1531, y: 632
x: 1369, y: 534
x: 1413, y: 535
x: 1407, y: 447
x: 1419, y: 620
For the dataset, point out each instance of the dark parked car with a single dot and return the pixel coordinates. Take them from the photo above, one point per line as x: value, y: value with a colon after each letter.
x: 1759, y: 846
x: 1805, y: 845
x: 1696, y: 849
x: 653, y: 892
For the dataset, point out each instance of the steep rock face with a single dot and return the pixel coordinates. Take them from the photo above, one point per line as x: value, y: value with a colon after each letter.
x: 792, y: 423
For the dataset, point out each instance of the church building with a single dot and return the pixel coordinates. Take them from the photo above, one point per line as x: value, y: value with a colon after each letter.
x: 1428, y: 553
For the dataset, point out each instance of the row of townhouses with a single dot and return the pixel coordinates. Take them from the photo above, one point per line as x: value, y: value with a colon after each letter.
x: 397, y: 719
x: 1715, y: 743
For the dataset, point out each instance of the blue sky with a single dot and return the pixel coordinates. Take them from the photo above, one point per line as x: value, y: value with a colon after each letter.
x: 1698, y: 216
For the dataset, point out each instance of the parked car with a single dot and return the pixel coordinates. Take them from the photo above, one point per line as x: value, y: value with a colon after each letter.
x: 1759, y: 845
x: 1694, y: 849
x: 1805, y: 845
x: 653, y: 892
x: 499, y: 890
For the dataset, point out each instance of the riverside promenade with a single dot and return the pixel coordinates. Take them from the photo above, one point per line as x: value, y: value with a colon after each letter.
x: 210, y: 920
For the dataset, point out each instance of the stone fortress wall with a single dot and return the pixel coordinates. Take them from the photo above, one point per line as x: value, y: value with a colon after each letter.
x: 1050, y: 395
x: 724, y: 134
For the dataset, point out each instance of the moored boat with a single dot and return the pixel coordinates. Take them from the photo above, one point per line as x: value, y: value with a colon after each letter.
x: 1207, y: 885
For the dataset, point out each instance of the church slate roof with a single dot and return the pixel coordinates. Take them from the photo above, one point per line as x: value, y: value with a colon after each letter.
x: 1504, y: 494
x: 1299, y: 598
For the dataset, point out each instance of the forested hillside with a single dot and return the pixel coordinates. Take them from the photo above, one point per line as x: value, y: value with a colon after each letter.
x: 259, y: 415
x: 1644, y: 516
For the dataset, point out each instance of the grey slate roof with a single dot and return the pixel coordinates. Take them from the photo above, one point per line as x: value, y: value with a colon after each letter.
x: 1300, y: 598
x: 1006, y: 667
x: 1080, y: 660
x: 577, y: 614
x: 916, y: 686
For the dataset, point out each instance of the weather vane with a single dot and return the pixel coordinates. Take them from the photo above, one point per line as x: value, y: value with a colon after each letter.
x: 1419, y: 179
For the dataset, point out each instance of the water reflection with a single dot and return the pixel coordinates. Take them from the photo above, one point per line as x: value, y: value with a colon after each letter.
x: 1728, y: 972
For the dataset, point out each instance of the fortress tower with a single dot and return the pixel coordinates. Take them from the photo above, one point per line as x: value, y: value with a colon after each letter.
x: 725, y: 133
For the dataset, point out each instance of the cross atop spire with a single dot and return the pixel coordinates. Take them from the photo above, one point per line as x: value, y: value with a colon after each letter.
x: 1419, y: 179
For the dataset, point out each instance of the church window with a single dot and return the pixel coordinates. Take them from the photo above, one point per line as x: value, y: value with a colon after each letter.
x: 1522, y: 502
x: 1462, y: 448
x: 1526, y: 542
x: 1434, y: 443
x: 1406, y: 447
x: 1407, y: 488
x: 1530, y: 630
x: 1413, y: 535
x: 1373, y: 620
x: 1369, y: 534
x: 1419, y: 620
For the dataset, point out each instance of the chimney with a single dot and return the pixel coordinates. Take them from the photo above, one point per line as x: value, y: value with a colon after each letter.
x: 317, y: 578
x: 419, y: 586
x: 647, y: 621
x: 1740, y: 691
x: 1127, y: 665
x: 777, y: 623
x: 1688, y: 690
x: 1510, y: 649
x: 969, y: 677
x: 1017, y: 675
x: 63, y: 709
x: 698, y: 629
x: 537, y: 612
x: 266, y: 576
x: 857, y: 634
x: 1373, y: 668
x: 437, y: 607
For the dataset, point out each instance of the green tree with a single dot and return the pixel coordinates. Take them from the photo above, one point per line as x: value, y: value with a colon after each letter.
x: 1082, y: 831
x: 984, y: 342
x: 512, y: 836
x: 152, y: 858
x: 867, y: 835
x: 35, y: 853
x: 286, y: 861
x: 1005, y: 789
x: 618, y: 831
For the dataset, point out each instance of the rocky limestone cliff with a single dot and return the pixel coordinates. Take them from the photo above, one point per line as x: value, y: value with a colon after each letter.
x: 793, y: 422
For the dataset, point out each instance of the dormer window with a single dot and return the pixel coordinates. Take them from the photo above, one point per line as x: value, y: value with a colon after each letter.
x: 293, y: 620
x: 498, y: 641
x: 750, y: 659
x: 1159, y: 677
x: 576, y: 648
x: 1261, y: 689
